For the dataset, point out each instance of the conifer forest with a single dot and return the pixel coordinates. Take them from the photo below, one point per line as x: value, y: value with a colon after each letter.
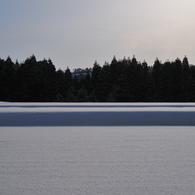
x: 125, y: 80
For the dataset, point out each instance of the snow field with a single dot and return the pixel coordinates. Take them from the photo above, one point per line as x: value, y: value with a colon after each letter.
x: 97, y: 114
x: 129, y: 160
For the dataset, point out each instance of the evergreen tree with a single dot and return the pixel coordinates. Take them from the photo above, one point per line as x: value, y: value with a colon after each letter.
x: 61, y: 85
x: 68, y: 76
x: 157, y: 75
x: 122, y: 85
x: 178, y: 90
x: 68, y: 81
x: 113, y: 74
x: 35, y: 81
x: 144, y: 80
x: 190, y: 85
x: 96, y: 79
x: 49, y: 87
x: 167, y: 83
x: 7, y: 80
x: 104, y: 83
x: 135, y: 81
x: 124, y: 80
x: 26, y: 81
x: 185, y: 75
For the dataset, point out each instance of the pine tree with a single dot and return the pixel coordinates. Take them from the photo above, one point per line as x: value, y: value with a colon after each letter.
x: 135, y: 81
x: 167, y: 83
x: 68, y: 82
x: 61, y: 84
x: 104, y: 83
x: 48, y: 74
x: 190, y: 85
x: 7, y: 79
x: 185, y: 75
x: 157, y: 75
x: 178, y: 88
x: 96, y: 79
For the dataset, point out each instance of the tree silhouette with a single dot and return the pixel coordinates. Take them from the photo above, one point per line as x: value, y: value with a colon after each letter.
x: 125, y: 80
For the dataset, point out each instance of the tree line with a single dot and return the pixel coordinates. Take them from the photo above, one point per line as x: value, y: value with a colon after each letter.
x: 125, y: 80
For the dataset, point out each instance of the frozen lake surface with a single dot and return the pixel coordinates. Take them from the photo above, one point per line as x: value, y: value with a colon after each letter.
x: 97, y: 160
x: 91, y: 149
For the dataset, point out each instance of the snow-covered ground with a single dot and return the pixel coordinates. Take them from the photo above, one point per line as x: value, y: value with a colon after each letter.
x: 97, y: 114
x: 97, y: 148
x: 131, y: 160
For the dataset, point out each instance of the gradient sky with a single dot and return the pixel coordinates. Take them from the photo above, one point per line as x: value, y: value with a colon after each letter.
x: 75, y: 33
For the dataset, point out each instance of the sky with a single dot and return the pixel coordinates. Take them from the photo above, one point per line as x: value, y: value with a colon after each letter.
x: 76, y: 33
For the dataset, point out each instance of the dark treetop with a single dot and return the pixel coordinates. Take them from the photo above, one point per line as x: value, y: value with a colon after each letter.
x: 124, y: 80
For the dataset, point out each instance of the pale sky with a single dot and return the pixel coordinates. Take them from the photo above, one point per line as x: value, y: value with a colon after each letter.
x: 75, y: 33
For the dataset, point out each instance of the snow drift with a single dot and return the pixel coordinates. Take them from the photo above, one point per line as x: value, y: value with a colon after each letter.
x: 97, y: 114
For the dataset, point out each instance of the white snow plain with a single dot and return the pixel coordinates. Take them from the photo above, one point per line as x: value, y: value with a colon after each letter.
x: 97, y: 148
x: 97, y: 114
x: 134, y: 160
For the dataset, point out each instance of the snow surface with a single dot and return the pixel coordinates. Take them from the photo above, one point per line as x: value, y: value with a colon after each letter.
x: 97, y: 160
x: 97, y: 114
x: 97, y: 148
